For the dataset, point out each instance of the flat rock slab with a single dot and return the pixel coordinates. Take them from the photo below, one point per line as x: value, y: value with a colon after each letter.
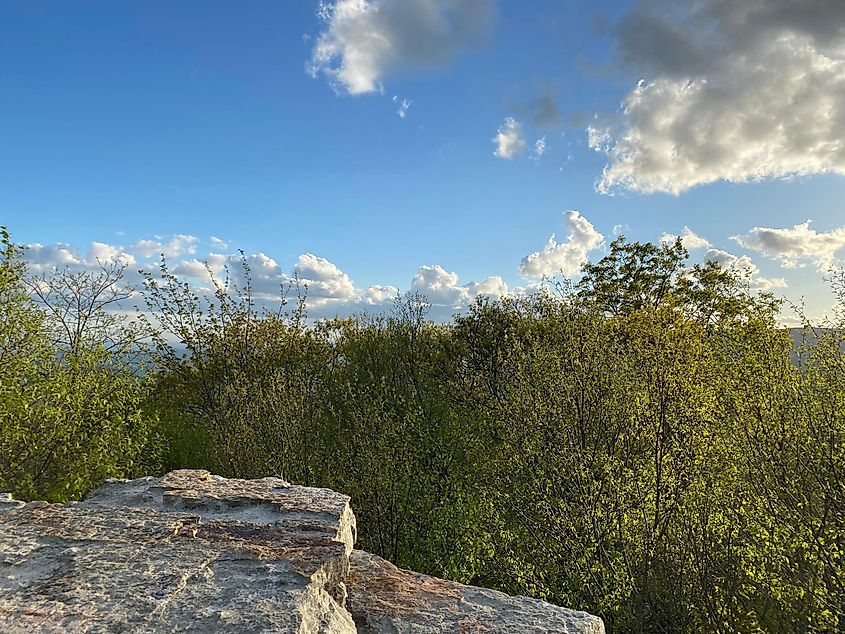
x: 71, y: 568
x: 384, y: 598
x: 186, y: 552
x: 271, y: 501
x: 194, y: 552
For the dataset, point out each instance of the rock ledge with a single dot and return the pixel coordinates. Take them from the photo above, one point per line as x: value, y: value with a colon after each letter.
x: 194, y: 552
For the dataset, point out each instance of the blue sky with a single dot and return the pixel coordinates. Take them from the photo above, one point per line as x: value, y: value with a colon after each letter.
x: 128, y: 122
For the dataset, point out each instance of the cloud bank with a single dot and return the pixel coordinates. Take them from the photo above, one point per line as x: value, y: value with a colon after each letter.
x: 328, y: 290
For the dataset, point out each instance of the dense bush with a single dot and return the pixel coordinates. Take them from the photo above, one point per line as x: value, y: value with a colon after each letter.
x: 71, y: 395
x: 645, y: 445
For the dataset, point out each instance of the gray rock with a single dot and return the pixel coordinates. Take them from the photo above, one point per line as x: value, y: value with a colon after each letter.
x: 68, y: 568
x: 8, y: 502
x: 384, y: 598
x: 193, y: 552
x: 270, y: 501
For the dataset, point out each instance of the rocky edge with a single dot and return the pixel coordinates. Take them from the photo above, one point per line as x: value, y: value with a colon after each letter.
x: 194, y: 552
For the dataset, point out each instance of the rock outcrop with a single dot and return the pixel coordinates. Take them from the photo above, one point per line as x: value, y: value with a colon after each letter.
x: 193, y: 552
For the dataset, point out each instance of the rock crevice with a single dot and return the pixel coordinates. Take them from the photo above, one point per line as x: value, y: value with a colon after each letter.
x: 194, y: 552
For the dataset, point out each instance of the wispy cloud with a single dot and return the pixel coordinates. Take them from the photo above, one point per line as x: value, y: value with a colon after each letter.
x: 404, y: 105
x: 539, y: 150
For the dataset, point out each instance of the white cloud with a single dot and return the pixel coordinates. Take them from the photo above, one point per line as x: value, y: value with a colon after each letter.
x: 564, y: 257
x: 323, y: 279
x: 328, y: 290
x: 540, y: 148
x: 530, y: 290
x: 441, y: 287
x: 41, y: 258
x: 745, y: 268
x: 735, y: 91
x: 364, y: 41
x: 267, y: 279
x: 690, y: 239
x: 331, y: 291
x: 219, y: 244
x: 404, y: 105
x: 509, y: 139
x: 178, y: 245
x: 493, y: 287
x: 376, y: 295
x: 102, y: 252
x: 192, y: 268
x: 793, y: 246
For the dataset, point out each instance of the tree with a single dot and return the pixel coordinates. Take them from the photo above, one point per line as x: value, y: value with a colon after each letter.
x: 637, y: 276
x: 70, y: 415
x: 24, y: 359
x: 238, y: 384
x: 632, y: 276
x: 87, y: 308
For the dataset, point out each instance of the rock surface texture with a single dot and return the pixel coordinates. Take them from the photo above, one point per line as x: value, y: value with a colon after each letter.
x: 193, y: 552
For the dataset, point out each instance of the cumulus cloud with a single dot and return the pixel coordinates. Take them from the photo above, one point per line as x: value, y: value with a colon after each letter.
x: 689, y: 238
x: 364, y: 41
x: 192, y: 268
x: 42, y: 258
x: 734, y: 91
x: 441, y: 287
x: 493, y: 287
x: 745, y: 268
x: 47, y: 257
x: 217, y: 243
x: 510, y: 139
x: 177, y: 246
x: 380, y: 295
x: 102, y: 252
x: 564, y: 257
x: 323, y: 279
x: 438, y: 285
x: 794, y: 246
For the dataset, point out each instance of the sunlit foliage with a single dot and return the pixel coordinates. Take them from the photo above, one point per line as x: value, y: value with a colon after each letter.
x: 646, y: 444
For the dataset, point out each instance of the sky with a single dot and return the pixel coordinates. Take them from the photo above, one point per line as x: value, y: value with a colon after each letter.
x: 452, y: 147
